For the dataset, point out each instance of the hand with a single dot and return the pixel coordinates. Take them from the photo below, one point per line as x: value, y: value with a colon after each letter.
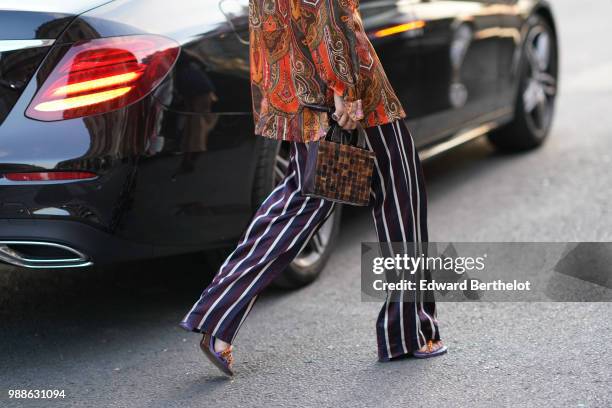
x: 341, y: 114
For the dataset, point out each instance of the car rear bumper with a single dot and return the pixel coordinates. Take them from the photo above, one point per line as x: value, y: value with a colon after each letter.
x: 52, y: 243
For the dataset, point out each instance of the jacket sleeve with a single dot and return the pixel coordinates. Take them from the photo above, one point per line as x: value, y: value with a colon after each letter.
x: 329, y: 29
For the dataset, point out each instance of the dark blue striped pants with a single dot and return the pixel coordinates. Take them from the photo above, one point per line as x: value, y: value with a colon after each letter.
x: 286, y: 220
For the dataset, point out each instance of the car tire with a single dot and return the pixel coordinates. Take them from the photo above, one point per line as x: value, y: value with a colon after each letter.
x: 537, y: 89
x: 310, y: 262
x: 265, y: 180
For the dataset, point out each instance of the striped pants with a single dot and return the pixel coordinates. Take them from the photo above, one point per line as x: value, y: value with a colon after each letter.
x: 286, y: 220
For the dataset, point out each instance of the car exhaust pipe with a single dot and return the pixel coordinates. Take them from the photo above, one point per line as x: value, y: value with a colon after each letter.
x: 41, y: 254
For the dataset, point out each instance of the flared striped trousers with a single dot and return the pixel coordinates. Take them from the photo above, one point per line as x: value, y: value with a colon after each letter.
x: 286, y: 221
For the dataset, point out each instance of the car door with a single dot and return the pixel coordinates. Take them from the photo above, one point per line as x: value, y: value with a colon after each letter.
x: 200, y: 165
x: 458, y: 58
x: 395, y: 31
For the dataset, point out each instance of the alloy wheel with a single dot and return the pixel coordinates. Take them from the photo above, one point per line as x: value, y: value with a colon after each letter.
x: 318, y: 244
x: 541, y: 83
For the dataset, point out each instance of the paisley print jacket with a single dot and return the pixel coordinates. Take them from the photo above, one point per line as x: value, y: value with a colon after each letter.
x: 301, y: 52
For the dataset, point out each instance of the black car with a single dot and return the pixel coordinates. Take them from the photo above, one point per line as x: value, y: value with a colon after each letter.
x: 126, y: 129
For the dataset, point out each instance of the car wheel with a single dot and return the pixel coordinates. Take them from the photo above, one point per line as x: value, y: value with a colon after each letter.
x: 537, y: 90
x: 308, y: 264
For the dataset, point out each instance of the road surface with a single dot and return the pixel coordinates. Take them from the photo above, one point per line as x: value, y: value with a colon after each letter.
x: 109, y: 337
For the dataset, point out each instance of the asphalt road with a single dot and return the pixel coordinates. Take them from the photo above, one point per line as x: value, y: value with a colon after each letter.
x: 109, y: 337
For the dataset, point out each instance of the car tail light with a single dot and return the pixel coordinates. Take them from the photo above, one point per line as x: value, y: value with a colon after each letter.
x: 102, y: 75
x: 50, y: 176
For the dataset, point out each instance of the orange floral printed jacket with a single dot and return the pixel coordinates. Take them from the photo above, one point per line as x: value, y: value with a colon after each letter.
x: 301, y: 52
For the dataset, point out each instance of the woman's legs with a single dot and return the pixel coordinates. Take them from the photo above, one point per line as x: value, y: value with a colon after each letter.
x: 406, y: 322
x: 286, y: 221
x: 280, y: 228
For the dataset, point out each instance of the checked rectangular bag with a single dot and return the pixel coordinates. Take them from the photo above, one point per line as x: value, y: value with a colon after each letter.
x: 337, y: 169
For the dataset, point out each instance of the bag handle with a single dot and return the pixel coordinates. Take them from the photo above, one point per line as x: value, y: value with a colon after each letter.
x: 358, y: 133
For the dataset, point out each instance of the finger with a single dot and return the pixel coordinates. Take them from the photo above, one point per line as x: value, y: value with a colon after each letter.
x: 350, y: 125
x: 343, y: 119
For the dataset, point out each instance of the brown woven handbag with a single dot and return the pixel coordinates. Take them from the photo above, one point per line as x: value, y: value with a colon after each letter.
x: 339, y: 167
